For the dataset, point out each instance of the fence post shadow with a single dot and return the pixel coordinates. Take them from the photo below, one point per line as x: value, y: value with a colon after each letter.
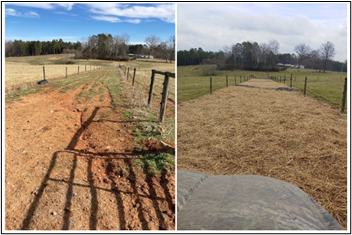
x: 168, y: 196
x: 134, y: 188
x: 68, y: 203
x: 153, y: 196
x: 34, y: 204
x: 70, y: 146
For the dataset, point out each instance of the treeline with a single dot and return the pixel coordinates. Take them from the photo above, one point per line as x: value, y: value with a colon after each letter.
x: 28, y: 48
x: 101, y: 46
x: 108, y: 47
x: 105, y: 47
x: 262, y: 57
x: 246, y: 55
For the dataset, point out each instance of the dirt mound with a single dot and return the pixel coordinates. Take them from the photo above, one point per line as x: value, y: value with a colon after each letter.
x: 276, y: 89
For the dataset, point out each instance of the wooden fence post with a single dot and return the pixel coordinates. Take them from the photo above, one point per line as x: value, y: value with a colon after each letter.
x: 44, y: 72
x: 344, y: 96
x: 128, y: 72
x: 152, y: 79
x: 164, y: 96
x: 291, y: 80
x: 305, y: 86
x: 134, y: 75
x: 211, y: 86
x: 227, y: 82
x: 66, y: 72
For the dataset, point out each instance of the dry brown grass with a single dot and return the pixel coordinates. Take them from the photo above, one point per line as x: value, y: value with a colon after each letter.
x: 17, y: 74
x: 278, y: 134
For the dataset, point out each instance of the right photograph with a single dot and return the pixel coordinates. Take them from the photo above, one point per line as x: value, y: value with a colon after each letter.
x: 262, y: 116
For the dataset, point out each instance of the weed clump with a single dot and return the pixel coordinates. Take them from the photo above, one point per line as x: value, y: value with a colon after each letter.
x: 157, y: 163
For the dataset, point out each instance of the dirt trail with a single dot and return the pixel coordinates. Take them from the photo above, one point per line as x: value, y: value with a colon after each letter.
x: 69, y: 165
x: 280, y: 134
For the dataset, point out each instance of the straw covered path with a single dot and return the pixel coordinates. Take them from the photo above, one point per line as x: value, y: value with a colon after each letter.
x: 280, y: 134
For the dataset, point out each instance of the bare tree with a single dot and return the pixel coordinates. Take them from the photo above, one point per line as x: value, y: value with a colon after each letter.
x: 163, y: 51
x: 152, y: 42
x: 123, y: 47
x: 120, y: 46
x: 9, y: 49
x: 314, y: 60
x: 303, y: 52
x: 274, y: 46
x: 264, y: 60
x: 327, y: 53
x: 172, y: 47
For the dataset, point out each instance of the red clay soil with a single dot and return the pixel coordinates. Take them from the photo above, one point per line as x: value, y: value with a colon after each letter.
x: 69, y: 165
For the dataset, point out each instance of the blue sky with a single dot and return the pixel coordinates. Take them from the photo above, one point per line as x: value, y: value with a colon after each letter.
x: 76, y: 21
x: 215, y: 25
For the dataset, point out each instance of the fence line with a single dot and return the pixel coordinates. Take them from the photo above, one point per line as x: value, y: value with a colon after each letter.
x: 245, y: 78
x: 344, y: 94
x: 66, y: 74
x: 164, y: 93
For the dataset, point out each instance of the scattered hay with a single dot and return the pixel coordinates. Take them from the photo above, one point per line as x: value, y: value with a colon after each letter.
x: 278, y: 134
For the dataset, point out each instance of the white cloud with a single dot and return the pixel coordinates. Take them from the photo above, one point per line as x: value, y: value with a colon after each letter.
x: 214, y: 26
x: 165, y: 12
x: 106, y: 18
x: 43, y: 5
x: 13, y: 12
x: 60, y: 12
x: 112, y: 19
x: 134, y: 21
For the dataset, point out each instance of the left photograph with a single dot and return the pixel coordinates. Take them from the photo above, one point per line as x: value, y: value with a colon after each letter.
x: 89, y: 116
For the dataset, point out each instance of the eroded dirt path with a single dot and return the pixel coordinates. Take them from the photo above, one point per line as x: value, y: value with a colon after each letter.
x: 69, y: 165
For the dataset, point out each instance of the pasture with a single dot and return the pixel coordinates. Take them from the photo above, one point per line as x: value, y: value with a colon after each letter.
x: 22, y: 72
x: 327, y: 86
x: 26, y: 71
x: 255, y: 131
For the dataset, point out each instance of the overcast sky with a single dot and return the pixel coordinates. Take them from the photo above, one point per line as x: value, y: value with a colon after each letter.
x: 46, y: 21
x: 212, y: 26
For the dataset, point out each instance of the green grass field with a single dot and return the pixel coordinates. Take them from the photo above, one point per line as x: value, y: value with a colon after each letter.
x: 327, y: 86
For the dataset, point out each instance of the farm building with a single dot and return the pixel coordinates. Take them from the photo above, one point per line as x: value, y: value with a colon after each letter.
x: 140, y: 56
